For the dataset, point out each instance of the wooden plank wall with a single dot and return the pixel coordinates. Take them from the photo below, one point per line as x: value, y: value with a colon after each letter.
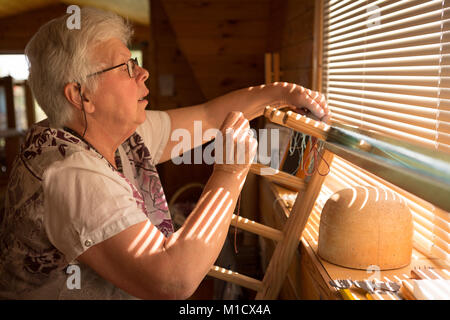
x: 170, y: 68
x: 16, y: 30
x: 206, y: 48
x: 224, y: 41
x: 292, y: 37
x: 169, y: 63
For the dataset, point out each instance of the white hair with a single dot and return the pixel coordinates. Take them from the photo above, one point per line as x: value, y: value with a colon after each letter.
x: 58, y: 55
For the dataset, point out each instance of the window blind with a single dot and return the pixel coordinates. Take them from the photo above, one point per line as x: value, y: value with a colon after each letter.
x: 386, y: 68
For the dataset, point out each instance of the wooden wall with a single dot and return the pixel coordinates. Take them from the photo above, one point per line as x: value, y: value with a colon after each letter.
x: 203, y: 49
x: 224, y: 41
x: 292, y: 37
x: 16, y: 30
x: 172, y: 85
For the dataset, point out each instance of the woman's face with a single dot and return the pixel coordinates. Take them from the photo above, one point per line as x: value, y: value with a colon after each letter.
x: 118, y: 108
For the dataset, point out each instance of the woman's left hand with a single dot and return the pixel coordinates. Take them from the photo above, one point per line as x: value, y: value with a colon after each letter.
x: 303, y: 100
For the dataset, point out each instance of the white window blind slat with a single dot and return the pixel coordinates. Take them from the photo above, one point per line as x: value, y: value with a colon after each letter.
x: 364, y: 11
x: 423, y: 49
x: 395, y: 97
x: 345, y: 119
x: 440, y: 243
x: 386, y: 68
x: 341, y: 6
x: 439, y: 253
x: 416, y: 121
x: 381, y: 105
x: 399, y: 14
x: 430, y: 60
x: 404, y: 70
x: 424, y: 244
x: 439, y: 142
x: 354, y: 15
x: 443, y: 225
x: 441, y: 234
x: 411, y: 40
x: 427, y: 91
x: 405, y: 80
x: 423, y: 13
x: 391, y: 33
x: 386, y: 123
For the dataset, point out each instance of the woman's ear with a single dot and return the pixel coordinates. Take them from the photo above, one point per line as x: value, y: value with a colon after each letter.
x: 73, y: 94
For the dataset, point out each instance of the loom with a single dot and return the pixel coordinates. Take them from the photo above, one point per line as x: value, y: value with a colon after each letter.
x: 421, y: 171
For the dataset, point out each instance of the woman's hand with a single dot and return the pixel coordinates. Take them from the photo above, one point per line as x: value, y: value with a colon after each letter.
x: 251, y: 102
x: 303, y: 100
x: 235, y: 146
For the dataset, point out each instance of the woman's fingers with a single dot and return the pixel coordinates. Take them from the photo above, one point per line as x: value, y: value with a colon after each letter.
x: 236, y: 147
x: 303, y: 98
x: 231, y: 119
x: 246, y: 146
x: 316, y: 103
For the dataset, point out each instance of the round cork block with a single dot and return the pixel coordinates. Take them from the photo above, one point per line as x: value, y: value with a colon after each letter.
x: 366, y: 226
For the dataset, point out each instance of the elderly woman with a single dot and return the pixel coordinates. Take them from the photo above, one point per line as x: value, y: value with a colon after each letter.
x: 84, y: 194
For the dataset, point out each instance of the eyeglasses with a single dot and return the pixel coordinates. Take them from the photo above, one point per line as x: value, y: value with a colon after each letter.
x: 131, y: 67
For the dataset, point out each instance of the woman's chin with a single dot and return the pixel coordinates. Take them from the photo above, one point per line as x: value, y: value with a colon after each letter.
x: 142, y: 115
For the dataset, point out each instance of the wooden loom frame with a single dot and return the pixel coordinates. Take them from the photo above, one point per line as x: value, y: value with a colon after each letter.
x: 288, y: 238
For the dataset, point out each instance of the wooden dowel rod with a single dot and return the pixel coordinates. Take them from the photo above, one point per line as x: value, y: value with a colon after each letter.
x: 276, y: 67
x: 274, y: 115
x: 297, y: 122
x: 277, y: 176
x: 234, y: 277
x: 306, y: 125
x: 268, y: 68
x: 292, y: 231
x: 257, y: 228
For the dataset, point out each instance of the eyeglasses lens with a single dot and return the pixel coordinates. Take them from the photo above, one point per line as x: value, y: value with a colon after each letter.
x: 131, y: 64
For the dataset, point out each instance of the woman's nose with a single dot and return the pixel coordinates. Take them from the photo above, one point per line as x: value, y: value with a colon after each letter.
x: 142, y: 74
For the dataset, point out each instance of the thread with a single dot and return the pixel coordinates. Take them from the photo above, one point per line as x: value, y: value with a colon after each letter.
x: 235, y: 227
x: 294, y: 146
x: 315, y: 163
